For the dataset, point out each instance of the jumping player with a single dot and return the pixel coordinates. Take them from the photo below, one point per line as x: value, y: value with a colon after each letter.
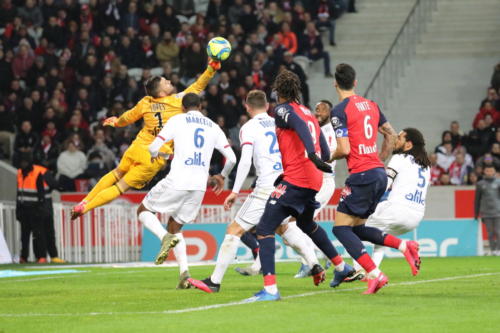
x: 259, y: 143
x: 300, y: 142
x: 408, y: 174
x: 180, y: 194
x: 354, y: 120
x: 136, y: 168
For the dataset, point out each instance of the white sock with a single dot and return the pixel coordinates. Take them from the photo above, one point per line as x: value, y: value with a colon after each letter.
x: 340, y: 267
x: 256, y: 263
x: 297, y: 240
x: 152, y: 223
x: 356, y: 266
x: 226, y: 254
x: 378, y: 254
x: 181, y: 253
x: 402, y: 246
x: 272, y: 289
x: 374, y: 274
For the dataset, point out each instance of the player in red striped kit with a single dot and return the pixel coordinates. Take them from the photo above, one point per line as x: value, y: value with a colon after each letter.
x: 356, y: 120
x: 301, y: 144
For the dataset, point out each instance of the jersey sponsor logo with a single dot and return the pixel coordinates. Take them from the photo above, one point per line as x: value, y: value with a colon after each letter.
x: 416, y: 197
x: 341, y: 133
x: 362, y: 106
x: 279, y: 191
x: 195, y: 160
x: 365, y: 150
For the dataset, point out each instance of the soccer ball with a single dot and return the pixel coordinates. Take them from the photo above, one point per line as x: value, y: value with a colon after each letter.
x: 219, y: 49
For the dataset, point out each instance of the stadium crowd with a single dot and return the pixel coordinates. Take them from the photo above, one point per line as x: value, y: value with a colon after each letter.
x: 462, y: 156
x: 67, y: 64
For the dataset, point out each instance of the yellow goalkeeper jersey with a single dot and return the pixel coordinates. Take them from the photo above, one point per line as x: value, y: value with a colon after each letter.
x: 157, y: 111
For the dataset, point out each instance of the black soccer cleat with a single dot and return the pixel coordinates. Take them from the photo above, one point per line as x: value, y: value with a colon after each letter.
x: 318, y: 274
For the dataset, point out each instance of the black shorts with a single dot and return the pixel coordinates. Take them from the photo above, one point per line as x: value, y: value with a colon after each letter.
x: 363, y: 192
x: 286, y: 200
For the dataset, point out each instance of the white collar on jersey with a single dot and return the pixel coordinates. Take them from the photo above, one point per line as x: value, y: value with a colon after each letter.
x: 194, y: 111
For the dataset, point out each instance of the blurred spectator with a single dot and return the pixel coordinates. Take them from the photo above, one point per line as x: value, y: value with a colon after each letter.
x: 7, y: 129
x: 96, y: 168
x: 327, y: 12
x: 168, y: 50
x: 105, y: 154
x: 25, y: 142
x: 297, y: 69
x: 472, y: 178
x: 479, y: 139
x: 445, y: 155
x: 71, y: 164
x: 487, y: 206
x: 313, y: 48
x: 436, y: 170
x: 457, y: 136
x: 495, y: 78
x: 458, y: 170
x: 444, y: 179
x: 487, y: 159
x: 46, y: 153
x: 194, y: 62
x: 23, y: 60
x: 487, y: 108
x: 287, y: 39
x: 234, y: 133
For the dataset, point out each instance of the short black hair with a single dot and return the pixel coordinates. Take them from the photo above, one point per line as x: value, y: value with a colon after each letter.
x: 489, y: 165
x: 152, y: 85
x: 191, y: 100
x: 327, y: 102
x: 345, y: 75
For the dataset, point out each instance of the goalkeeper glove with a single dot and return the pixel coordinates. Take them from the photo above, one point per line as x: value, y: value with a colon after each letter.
x: 215, y: 65
x: 111, y: 121
x: 325, y: 167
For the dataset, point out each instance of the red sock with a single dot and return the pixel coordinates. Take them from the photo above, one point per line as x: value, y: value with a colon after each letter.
x: 269, y: 280
x: 366, y: 262
x: 337, y: 260
x: 391, y: 241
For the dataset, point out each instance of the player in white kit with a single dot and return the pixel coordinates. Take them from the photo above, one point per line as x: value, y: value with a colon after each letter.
x: 180, y: 194
x: 259, y: 143
x: 408, y: 175
x: 322, y: 112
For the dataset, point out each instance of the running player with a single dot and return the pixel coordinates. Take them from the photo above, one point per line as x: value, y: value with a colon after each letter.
x: 179, y: 195
x: 300, y: 142
x: 258, y: 141
x: 136, y: 168
x: 408, y: 174
x: 322, y: 113
x: 354, y: 120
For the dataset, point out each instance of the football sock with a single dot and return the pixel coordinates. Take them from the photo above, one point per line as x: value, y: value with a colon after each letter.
x: 152, y: 223
x: 338, y: 262
x: 370, y: 234
x: 227, y: 252
x: 181, y: 253
x: 378, y: 255
x: 320, y: 238
x: 250, y: 240
x: 270, y: 284
x: 103, y: 198
x: 256, y: 263
x: 266, y: 254
x: 106, y: 181
x: 368, y: 265
x: 354, y: 247
x: 297, y: 240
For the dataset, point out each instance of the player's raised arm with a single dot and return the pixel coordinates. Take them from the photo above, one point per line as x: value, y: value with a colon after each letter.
x: 339, y: 123
x: 325, y: 149
x: 390, y: 137
x: 201, y: 83
x: 224, y: 148
x: 128, y: 117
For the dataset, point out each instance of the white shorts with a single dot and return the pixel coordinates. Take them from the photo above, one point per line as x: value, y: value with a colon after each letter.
x: 182, y: 205
x: 394, y: 218
x: 252, y: 209
x: 325, y: 193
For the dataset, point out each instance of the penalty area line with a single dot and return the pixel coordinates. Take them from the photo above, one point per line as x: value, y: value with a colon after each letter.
x: 223, y: 305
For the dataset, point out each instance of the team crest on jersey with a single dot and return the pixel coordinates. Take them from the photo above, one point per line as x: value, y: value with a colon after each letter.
x: 346, y: 191
x: 281, y: 111
x: 335, y: 122
x: 279, y: 191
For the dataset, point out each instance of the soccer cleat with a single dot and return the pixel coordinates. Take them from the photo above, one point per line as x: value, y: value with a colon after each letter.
x: 248, y: 271
x: 184, y: 281
x: 328, y: 264
x: 263, y: 295
x: 57, y: 260
x: 339, y: 277
x: 318, y: 274
x: 205, y: 285
x: 412, y: 256
x: 168, y: 242
x: 41, y: 261
x: 23, y: 260
x: 77, y: 210
x: 304, y: 271
x: 374, y: 285
x: 357, y: 276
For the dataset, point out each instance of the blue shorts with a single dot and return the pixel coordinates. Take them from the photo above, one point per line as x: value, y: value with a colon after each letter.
x: 363, y: 192
x: 287, y: 200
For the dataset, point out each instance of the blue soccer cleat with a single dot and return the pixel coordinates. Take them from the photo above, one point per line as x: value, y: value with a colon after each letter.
x: 263, y: 295
x: 303, y: 272
x: 339, y: 277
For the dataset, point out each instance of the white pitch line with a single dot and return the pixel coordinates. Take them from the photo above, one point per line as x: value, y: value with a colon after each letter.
x: 223, y: 305
x: 70, y: 275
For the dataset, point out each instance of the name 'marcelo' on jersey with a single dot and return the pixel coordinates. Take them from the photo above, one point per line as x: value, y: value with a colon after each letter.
x: 358, y: 119
x: 260, y: 133
x: 195, y: 138
x: 410, y: 182
x: 298, y: 168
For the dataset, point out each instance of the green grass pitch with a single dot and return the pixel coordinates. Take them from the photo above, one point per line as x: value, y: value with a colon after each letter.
x: 449, y: 295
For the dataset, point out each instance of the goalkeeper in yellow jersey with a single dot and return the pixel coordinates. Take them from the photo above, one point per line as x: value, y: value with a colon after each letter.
x: 136, y: 168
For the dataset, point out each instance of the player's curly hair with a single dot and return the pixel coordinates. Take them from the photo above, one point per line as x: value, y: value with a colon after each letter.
x: 418, y: 150
x: 287, y: 86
